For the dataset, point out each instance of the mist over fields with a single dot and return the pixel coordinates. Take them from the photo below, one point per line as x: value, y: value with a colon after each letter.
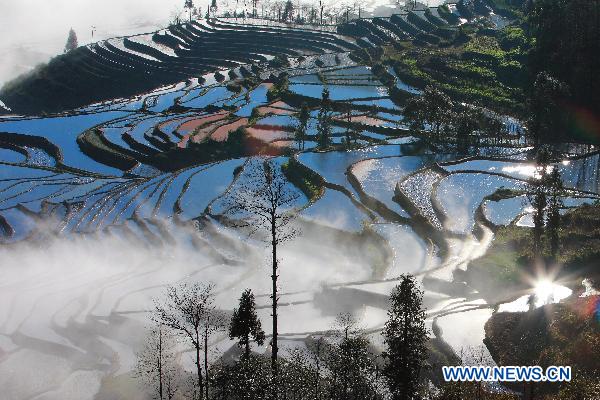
x: 31, y: 32
x: 91, y: 307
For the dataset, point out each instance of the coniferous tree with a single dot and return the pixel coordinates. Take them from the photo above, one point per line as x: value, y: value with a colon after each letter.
x: 405, y: 336
x: 72, y: 42
x: 324, y: 121
x: 288, y: 11
x: 245, y: 324
x: 350, y: 129
x: 303, y: 117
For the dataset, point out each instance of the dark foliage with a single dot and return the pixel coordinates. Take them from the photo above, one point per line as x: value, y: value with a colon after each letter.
x: 567, y: 47
x: 405, y: 336
x: 245, y: 324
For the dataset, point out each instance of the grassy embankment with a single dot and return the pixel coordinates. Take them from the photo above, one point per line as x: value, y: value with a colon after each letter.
x: 500, y: 271
x: 479, y: 67
x: 305, y: 179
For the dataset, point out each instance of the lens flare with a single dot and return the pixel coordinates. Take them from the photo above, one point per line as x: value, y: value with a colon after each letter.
x: 548, y: 292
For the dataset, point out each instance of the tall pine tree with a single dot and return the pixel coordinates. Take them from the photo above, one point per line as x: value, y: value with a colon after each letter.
x: 72, y: 42
x: 245, y: 323
x: 405, y: 336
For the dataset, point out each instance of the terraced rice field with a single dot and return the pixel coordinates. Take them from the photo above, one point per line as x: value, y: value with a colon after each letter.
x: 121, y: 198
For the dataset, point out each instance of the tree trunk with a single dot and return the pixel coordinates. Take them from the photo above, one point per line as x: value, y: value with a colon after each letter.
x: 407, y: 384
x: 198, y: 367
x: 247, y: 351
x: 159, y: 361
x: 274, y: 278
x: 318, y: 375
x: 206, y: 358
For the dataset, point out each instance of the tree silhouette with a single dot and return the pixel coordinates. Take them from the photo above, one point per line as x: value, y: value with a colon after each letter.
x: 185, y: 311
x: 324, y: 120
x: 72, y: 42
x: 288, y: 11
x: 350, y: 128
x: 268, y: 205
x: 303, y: 117
x: 245, y: 323
x: 156, y: 363
x: 347, y: 325
x: 405, y: 336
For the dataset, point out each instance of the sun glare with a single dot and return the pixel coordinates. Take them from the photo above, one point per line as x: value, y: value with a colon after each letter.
x: 547, y: 292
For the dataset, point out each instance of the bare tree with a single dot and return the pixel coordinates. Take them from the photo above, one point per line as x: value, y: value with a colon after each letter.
x: 185, y: 311
x: 346, y: 325
x: 267, y: 204
x: 157, y: 363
